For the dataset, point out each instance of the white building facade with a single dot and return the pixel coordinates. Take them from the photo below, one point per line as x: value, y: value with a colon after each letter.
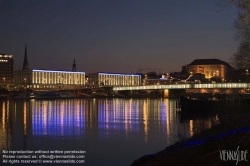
x: 114, y: 79
x: 48, y: 79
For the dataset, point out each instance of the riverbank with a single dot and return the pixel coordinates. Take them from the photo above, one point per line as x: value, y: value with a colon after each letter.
x: 205, y: 148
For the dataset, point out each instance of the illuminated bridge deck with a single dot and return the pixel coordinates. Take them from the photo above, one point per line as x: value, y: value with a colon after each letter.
x: 185, y: 86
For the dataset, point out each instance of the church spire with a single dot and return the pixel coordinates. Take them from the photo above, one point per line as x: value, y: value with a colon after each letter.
x: 74, y: 65
x: 25, y: 61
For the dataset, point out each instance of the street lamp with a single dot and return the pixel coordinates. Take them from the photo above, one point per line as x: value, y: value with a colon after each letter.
x: 145, y: 79
x: 247, y: 73
x: 3, y: 81
x: 25, y: 84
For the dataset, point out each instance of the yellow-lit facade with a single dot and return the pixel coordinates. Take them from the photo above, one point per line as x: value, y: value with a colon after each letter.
x: 48, y: 79
x: 112, y: 79
x: 211, y: 70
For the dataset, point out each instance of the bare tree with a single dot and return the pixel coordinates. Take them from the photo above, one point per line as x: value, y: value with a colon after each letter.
x: 242, y: 24
x: 241, y: 59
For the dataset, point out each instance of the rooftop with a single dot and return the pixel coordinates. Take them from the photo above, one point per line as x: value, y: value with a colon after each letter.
x: 108, y: 73
x: 56, y: 71
x: 209, y: 61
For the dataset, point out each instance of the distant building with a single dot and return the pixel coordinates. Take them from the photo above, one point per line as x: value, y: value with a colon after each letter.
x: 48, y: 79
x: 157, y: 81
x: 114, y: 79
x: 184, y: 69
x: 241, y: 75
x: 6, y: 70
x: 184, y: 74
x: 211, y: 68
x: 180, y: 75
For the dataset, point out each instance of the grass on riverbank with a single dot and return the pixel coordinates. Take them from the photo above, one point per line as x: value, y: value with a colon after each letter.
x: 204, y: 149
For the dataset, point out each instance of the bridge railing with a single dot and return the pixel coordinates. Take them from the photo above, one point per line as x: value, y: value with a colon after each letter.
x: 185, y: 86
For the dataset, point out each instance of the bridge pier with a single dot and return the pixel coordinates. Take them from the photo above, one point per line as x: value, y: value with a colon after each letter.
x: 174, y: 92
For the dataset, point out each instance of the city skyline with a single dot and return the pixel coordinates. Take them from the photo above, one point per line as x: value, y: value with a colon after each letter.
x: 116, y: 36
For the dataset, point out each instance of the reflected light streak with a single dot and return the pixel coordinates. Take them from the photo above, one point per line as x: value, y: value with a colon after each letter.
x: 3, y: 117
x: 191, y: 128
x: 45, y: 110
x: 127, y: 117
x: 25, y: 118
x: 5, y: 130
x: 145, y: 120
x: 8, y: 107
x: 76, y: 105
x: 164, y: 114
x: 167, y: 119
x: 129, y: 110
x: 15, y: 111
x: 61, y: 115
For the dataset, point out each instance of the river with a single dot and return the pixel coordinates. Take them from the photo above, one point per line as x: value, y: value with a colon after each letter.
x: 111, y: 131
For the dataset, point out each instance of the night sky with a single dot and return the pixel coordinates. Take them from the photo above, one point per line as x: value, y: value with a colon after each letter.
x: 116, y: 35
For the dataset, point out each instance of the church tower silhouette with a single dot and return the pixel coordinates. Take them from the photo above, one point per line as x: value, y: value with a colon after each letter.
x: 25, y: 61
x: 74, y: 65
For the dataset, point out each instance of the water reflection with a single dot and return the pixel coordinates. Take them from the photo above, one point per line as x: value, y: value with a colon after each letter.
x: 149, y: 124
x: 71, y: 117
x: 58, y: 117
x: 5, y: 126
x: 132, y: 116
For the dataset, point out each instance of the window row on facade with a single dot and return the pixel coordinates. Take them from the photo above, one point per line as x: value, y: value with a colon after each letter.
x: 112, y: 79
x: 203, y: 66
x: 47, y: 79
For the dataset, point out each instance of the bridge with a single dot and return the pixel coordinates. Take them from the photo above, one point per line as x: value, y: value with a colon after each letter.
x: 169, y: 87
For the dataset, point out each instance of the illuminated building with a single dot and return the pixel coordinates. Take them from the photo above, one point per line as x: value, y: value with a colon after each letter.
x: 6, y: 70
x: 114, y: 79
x: 48, y: 79
x: 211, y: 68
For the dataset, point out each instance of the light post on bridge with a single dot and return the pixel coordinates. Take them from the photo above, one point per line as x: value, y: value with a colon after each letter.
x: 25, y: 84
x: 3, y: 81
x: 247, y: 73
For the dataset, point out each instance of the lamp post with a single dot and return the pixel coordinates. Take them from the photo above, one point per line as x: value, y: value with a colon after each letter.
x: 247, y: 73
x: 25, y: 84
x: 3, y: 81
x: 145, y: 79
